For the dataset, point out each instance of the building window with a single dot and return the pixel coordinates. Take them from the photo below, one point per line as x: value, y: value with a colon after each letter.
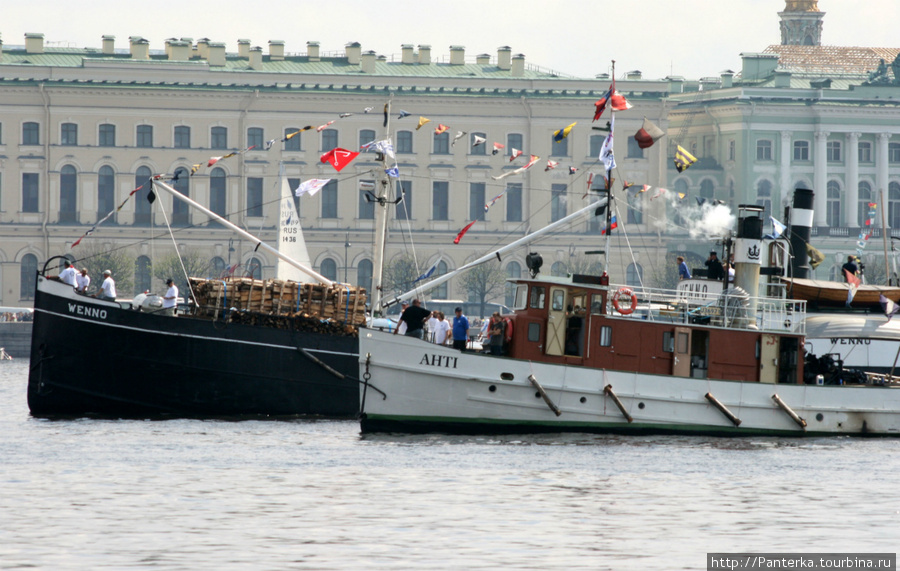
x: 513, y: 271
x: 441, y: 143
x: 366, y: 204
x: 292, y: 144
x: 481, y: 149
x: 364, y: 275
x: 441, y: 291
x: 764, y: 197
x: 801, y: 150
x: 142, y: 274
x: 254, y: 197
x: 69, y: 135
x: 255, y: 138
x: 764, y: 150
x: 634, y: 149
x: 253, y: 269
x: 217, y: 267
x: 558, y: 207
x: 68, y: 194
x: 707, y: 189
x: 634, y: 275
x: 404, y: 207
x: 732, y: 150
x: 144, y: 136
x: 594, y: 145
x: 330, y: 200
x: 107, y: 135
x: 218, y: 138
x: 440, y: 200
x: 30, y: 192
x: 833, y: 204
x: 865, y: 197
x: 865, y: 152
x: 182, y: 137
x: 476, y: 201
x: 217, y: 192
x: 514, y: 141
x: 833, y: 151
x: 181, y: 212
x: 329, y: 140
x: 514, y: 202
x: 328, y: 268
x: 894, y: 205
x: 894, y: 153
x: 27, y: 276
x: 31, y: 134
x: 635, y: 208
x: 106, y: 193
x: 559, y: 148
x: 404, y: 142
x: 366, y: 136
x: 141, y: 205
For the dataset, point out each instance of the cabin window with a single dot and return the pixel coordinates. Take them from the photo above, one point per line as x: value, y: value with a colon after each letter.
x: 682, y: 342
x: 597, y: 304
x: 534, y: 332
x: 537, y: 297
x: 521, y: 296
x: 668, y: 342
x: 606, y: 336
x: 559, y: 300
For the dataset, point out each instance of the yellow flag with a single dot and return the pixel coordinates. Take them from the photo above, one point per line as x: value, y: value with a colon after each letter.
x: 422, y: 121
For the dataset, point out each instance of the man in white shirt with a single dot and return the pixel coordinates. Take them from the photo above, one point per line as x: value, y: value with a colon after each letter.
x: 107, y: 288
x: 67, y: 276
x: 170, y: 300
x: 431, y: 328
x: 82, y: 281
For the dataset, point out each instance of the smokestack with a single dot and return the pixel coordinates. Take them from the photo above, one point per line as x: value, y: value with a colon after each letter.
x: 216, y: 52
x: 256, y: 57
x: 504, y: 55
x: 518, y: 65
x: 457, y: 55
x: 34, y: 43
x: 748, y: 254
x: 109, y: 45
x: 801, y: 223
x: 483, y: 59
x: 353, y: 51
x: 312, y: 51
x: 367, y: 64
x: 244, y: 49
x: 424, y: 53
x: 276, y: 50
x: 407, y: 54
x: 203, y: 48
x: 140, y: 48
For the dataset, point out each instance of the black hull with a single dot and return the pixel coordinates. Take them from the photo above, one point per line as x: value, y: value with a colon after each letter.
x: 91, y: 357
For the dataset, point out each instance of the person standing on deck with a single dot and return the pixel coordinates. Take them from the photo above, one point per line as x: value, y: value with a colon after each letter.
x: 82, y: 281
x: 107, y: 288
x: 850, y: 267
x: 441, y: 331
x: 170, y: 300
x: 683, y: 272
x: 498, y: 334
x: 715, y: 271
x: 67, y: 276
x: 414, y: 316
x: 460, y: 330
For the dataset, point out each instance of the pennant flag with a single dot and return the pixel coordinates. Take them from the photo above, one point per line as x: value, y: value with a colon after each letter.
x: 476, y: 141
x: 289, y: 136
x: 367, y: 109
x: 659, y: 192
x: 815, y: 257
x: 683, y: 159
x: 572, y: 170
x: 269, y: 143
x: 321, y: 128
x: 195, y: 168
x: 495, y: 199
x: 561, y: 134
x: 105, y: 218
x: 386, y: 147
x: 681, y: 196
x: 777, y: 228
x: 403, y: 114
x: 393, y: 172
x: 854, y: 285
x: 213, y: 160
x: 311, y: 186
x: 613, y: 223
x: 367, y: 146
x: 648, y: 134
x: 387, y: 109
x: 422, y: 121
x: 463, y: 232
x: 497, y: 147
x: 889, y: 307
x: 534, y: 159
x: 151, y: 196
x: 600, y: 104
x: 600, y: 210
x: 513, y: 153
x: 440, y: 129
x: 550, y: 165
x: 626, y: 185
x: 426, y: 275
x: 459, y: 135
x: 644, y: 188
x: 531, y: 161
x: 339, y: 158
x: 345, y: 115
x: 618, y: 102
x: 607, y: 157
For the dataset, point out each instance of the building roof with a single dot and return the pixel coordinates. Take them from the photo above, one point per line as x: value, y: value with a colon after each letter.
x: 831, y: 60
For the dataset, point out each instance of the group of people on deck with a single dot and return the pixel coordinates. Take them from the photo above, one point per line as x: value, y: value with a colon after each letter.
x: 714, y: 268
x: 81, y: 281
x: 416, y: 321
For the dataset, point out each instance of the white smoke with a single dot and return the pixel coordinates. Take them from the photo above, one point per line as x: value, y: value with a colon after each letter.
x: 707, y: 220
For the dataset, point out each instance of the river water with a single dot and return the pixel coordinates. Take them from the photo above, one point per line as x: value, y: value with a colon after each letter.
x: 315, y: 494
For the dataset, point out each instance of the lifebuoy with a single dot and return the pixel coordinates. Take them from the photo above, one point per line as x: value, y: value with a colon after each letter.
x: 625, y: 292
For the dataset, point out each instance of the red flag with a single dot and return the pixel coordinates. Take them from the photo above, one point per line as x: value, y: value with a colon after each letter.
x: 854, y: 282
x: 514, y: 153
x: 618, y: 102
x: 600, y: 105
x: 463, y: 231
x: 440, y: 129
x: 648, y: 134
x: 339, y: 158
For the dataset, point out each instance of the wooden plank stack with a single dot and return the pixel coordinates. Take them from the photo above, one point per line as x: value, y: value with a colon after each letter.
x: 341, y: 303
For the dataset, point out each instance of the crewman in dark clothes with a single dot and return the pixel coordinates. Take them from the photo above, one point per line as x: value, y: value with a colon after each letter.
x: 850, y: 266
x: 414, y: 316
x: 714, y: 271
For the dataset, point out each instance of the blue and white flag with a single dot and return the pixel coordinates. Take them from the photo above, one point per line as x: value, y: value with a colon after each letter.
x: 606, y: 151
x: 777, y: 228
x: 426, y: 275
x: 393, y: 172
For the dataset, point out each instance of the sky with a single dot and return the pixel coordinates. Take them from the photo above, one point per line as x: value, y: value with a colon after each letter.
x: 691, y: 38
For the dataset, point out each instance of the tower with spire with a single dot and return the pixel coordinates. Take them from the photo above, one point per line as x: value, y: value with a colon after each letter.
x: 801, y: 23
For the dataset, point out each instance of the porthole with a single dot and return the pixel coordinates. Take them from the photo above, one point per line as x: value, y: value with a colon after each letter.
x: 583, y: 400
x: 537, y: 395
x: 507, y: 377
x: 641, y: 405
x: 492, y: 388
x: 820, y: 417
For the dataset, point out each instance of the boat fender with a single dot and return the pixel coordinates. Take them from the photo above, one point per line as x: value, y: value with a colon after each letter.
x: 624, y: 293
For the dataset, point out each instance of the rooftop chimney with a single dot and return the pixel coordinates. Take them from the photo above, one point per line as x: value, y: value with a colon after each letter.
x: 140, y: 48
x: 243, y: 48
x: 353, y: 50
x: 483, y: 59
x: 276, y: 50
x: 368, y: 62
x: 169, y: 47
x: 255, y: 57
x: 424, y: 53
x: 782, y: 78
x: 408, y: 55
x: 109, y: 45
x: 457, y: 55
x: 727, y: 78
x: 634, y: 74
x: 179, y: 51
x: 216, y: 54
x: 518, y: 65
x: 312, y: 51
x: 34, y: 43
x: 503, y: 57
x: 203, y: 48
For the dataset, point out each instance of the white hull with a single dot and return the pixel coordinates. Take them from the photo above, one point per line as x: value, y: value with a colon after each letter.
x: 864, y: 341
x: 433, y: 388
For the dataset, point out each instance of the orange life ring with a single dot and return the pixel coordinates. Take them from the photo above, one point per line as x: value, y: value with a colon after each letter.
x: 625, y: 292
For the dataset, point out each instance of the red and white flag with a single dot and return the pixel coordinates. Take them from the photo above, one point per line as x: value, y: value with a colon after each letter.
x: 463, y: 232
x: 311, y: 186
x: 321, y: 128
x: 550, y: 165
x: 853, y: 282
x: 339, y: 158
x: 618, y: 102
x: 497, y: 147
x: 513, y: 153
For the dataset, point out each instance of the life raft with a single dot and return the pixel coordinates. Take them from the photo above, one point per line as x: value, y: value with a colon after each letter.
x: 622, y: 294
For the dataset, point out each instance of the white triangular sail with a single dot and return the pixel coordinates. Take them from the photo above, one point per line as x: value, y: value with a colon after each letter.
x: 290, y: 237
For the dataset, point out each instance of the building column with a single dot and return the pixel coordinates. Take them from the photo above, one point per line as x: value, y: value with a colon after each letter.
x: 820, y: 180
x: 882, y: 179
x: 786, y: 189
x: 852, y: 180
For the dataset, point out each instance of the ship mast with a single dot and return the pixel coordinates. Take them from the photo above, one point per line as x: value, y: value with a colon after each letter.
x: 382, y: 201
